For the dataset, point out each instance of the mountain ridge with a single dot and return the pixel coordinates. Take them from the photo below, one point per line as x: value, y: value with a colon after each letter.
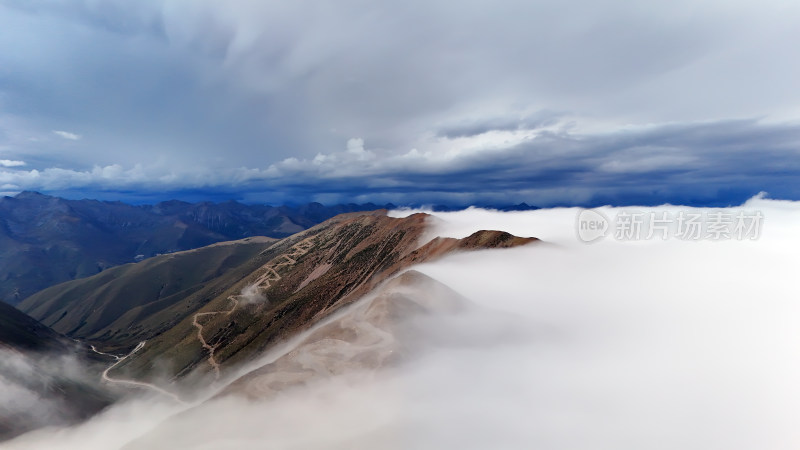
x: 48, y: 240
x: 282, y: 290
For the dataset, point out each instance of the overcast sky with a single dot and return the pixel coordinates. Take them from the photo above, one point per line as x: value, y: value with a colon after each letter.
x: 578, y: 102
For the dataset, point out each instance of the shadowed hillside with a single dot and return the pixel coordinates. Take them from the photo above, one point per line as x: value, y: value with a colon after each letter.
x: 22, y: 332
x: 127, y: 303
x: 45, y: 378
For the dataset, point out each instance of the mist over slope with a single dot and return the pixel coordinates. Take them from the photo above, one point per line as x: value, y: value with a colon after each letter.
x: 46, y: 379
x: 617, y: 344
x: 180, y: 324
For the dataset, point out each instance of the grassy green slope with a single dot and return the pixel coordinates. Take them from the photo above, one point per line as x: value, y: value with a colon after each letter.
x: 136, y: 301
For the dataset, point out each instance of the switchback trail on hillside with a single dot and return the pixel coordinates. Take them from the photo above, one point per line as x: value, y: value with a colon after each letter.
x: 132, y: 383
x: 262, y: 283
x: 212, y: 348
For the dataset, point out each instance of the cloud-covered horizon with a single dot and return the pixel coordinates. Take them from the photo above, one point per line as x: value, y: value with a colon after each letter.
x: 692, y: 164
x: 420, y: 102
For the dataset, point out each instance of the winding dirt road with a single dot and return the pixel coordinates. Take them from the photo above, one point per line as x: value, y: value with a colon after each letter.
x: 132, y: 383
x: 263, y: 282
x: 271, y: 275
x: 212, y: 348
x: 94, y: 349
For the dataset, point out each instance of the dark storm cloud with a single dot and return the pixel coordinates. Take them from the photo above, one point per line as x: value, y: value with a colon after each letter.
x: 715, y: 163
x: 547, y: 102
x: 719, y: 163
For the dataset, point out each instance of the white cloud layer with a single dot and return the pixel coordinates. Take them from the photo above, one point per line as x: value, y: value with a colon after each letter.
x: 657, y: 344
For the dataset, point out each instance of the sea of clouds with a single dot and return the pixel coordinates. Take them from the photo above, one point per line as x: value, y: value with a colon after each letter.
x: 618, y: 344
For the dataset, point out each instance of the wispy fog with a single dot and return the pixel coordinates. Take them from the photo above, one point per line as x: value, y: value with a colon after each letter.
x: 653, y: 344
x: 252, y: 294
x: 46, y: 388
x: 20, y: 401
